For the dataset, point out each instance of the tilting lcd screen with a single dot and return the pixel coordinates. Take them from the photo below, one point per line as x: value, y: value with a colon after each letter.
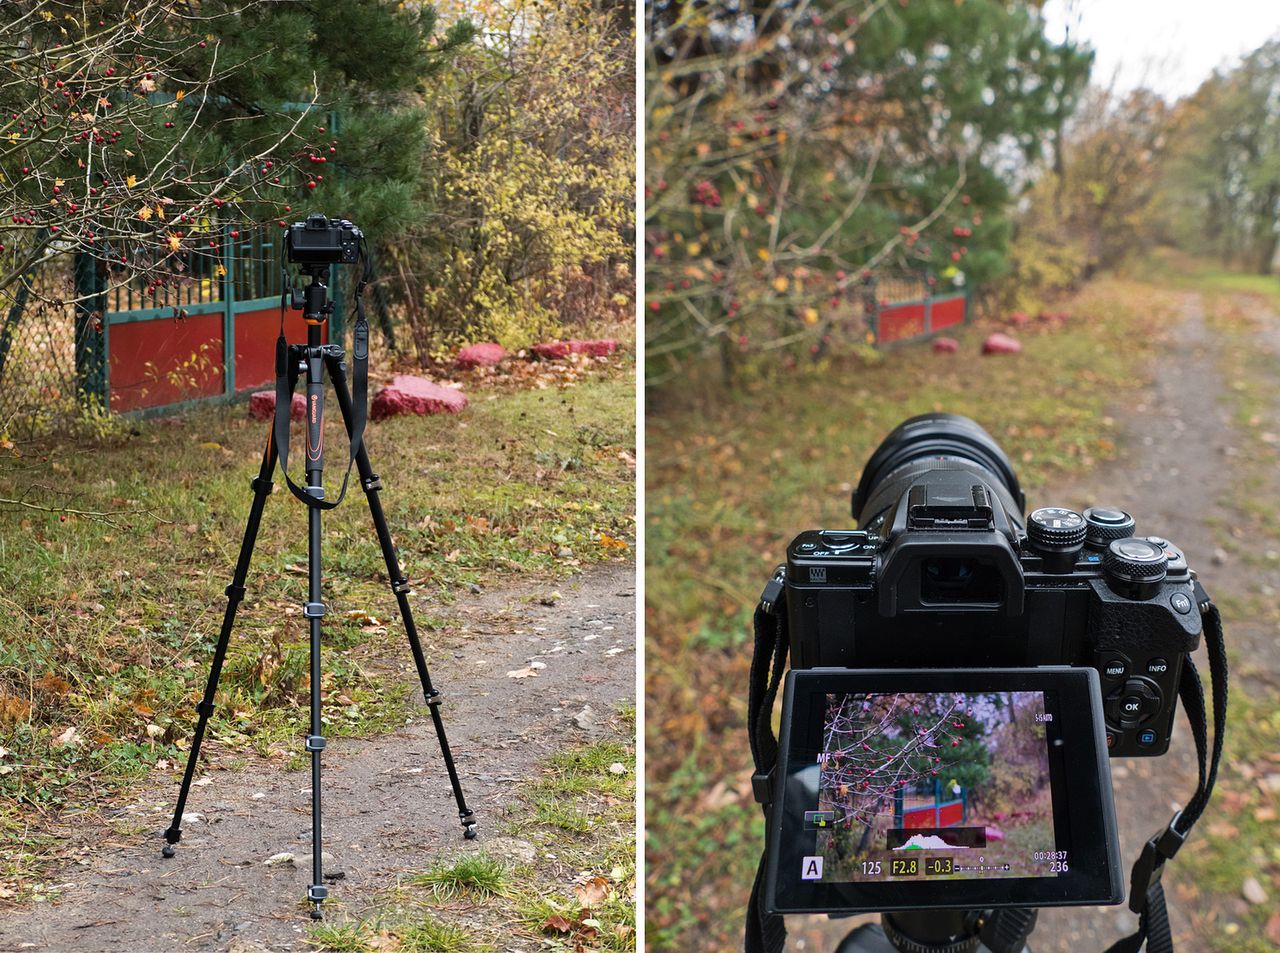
x: 935, y: 786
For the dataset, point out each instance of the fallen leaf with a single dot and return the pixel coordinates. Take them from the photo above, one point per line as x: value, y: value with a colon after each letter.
x: 592, y: 892
x: 1273, y: 928
x: 383, y: 941
x: 557, y: 923
x: 527, y: 672
x: 70, y: 736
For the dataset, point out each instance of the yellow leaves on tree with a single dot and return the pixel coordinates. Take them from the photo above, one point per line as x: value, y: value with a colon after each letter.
x: 531, y: 169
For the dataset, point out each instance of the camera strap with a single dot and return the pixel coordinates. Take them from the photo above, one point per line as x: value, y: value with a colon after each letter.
x: 766, y: 933
x: 1146, y: 893
x: 287, y: 372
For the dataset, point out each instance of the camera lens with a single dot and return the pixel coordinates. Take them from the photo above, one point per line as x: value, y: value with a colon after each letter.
x: 915, y: 447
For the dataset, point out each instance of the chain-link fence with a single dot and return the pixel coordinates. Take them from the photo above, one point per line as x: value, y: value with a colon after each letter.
x: 52, y: 350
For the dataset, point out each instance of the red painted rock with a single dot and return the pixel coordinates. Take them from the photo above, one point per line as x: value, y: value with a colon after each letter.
x: 407, y: 394
x: 946, y: 345
x: 600, y: 348
x: 1020, y: 318
x: 1001, y: 344
x: 262, y: 405
x: 481, y: 355
x: 552, y: 350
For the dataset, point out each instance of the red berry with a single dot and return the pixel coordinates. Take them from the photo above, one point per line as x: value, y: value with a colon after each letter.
x: 203, y: 44
x: 311, y: 184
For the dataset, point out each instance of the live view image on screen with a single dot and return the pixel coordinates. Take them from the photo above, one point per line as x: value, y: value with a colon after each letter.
x: 935, y: 785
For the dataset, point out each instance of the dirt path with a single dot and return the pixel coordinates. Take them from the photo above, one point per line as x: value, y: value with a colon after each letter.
x: 1177, y: 475
x: 388, y: 807
x: 1174, y: 473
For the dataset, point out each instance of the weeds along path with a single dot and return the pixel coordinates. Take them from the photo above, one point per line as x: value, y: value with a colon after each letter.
x: 388, y: 807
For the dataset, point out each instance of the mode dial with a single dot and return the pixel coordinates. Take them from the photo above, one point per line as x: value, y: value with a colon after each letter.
x: 1135, y: 567
x: 1053, y: 526
x: 1056, y: 534
x: 1106, y: 523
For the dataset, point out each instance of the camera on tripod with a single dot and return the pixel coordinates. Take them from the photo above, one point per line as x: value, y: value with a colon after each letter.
x: 323, y: 241
x: 960, y: 676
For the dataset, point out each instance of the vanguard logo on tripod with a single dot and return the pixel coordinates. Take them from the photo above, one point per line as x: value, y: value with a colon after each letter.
x: 317, y: 244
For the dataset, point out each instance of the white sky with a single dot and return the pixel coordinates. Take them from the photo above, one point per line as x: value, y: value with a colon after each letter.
x: 1167, y: 45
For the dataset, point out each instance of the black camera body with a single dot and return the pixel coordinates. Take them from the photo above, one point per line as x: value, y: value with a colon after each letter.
x: 945, y: 572
x: 323, y: 241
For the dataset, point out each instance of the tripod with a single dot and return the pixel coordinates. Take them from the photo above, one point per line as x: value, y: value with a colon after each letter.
x: 315, y: 358
x: 944, y: 931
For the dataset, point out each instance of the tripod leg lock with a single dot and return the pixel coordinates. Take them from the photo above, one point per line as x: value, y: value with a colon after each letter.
x: 434, y: 698
x: 467, y: 817
x: 372, y: 484
x: 401, y: 587
x: 317, y: 892
x: 315, y: 743
x: 234, y: 592
x: 313, y: 610
x: 259, y: 485
x: 204, y: 707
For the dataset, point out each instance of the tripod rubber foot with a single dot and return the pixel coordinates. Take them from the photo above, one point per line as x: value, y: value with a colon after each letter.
x: 316, y: 914
x: 167, y: 851
x: 469, y: 832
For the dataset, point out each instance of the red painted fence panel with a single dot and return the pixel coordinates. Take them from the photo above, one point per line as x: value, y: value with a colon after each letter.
x: 255, y: 344
x: 900, y: 321
x: 165, y: 360
x: 948, y: 312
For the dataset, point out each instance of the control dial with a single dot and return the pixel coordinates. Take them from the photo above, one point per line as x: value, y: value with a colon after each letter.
x: 1105, y: 524
x: 1135, y: 567
x: 1057, y: 534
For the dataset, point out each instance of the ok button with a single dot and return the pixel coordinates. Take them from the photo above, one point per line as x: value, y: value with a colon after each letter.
x: 1131, y: 706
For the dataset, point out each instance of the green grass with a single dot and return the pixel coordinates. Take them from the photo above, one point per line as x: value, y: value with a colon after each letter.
x: 419, y: 934
x: 473, y: 875
x: 731, y: 478
x: 108, y: 626
x: 1208, y: 277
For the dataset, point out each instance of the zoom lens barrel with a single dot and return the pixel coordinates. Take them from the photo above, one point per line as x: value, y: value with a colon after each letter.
x: 917, y: 446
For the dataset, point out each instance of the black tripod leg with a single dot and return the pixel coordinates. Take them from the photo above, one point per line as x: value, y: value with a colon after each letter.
x: 235, y: 592
x: 400, y: 586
